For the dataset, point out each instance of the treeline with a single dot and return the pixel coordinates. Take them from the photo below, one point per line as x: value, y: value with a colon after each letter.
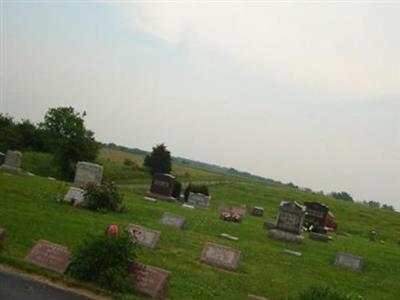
x: 61, y: 133
x: 377, y: 204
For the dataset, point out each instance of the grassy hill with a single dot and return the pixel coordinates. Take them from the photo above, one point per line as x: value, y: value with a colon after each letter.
x: 29, y: 212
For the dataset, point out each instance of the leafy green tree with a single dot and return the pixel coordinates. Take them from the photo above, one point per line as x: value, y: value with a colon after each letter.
x: 159, y: 160
x: 68, y: 138
x: 8, y: 133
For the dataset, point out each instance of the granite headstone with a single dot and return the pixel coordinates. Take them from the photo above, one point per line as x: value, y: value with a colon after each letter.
x: 199, y: 200
x: 172, y: 220
x: 316, y: 212
x: 149, y: 281
x: 349, y: 261
x: 50, y: 256
x: 162, y: 184
x: 220, y: 256
x: 88, y: 173
x: 144, y: 236
x: 12, y: 161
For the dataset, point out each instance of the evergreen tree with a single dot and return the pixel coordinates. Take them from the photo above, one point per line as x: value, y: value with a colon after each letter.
x: 159, y: 160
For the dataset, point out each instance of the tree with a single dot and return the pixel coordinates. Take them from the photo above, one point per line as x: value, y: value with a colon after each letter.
x: 68, y: 138
x: 342, y: 196
x: 159, y: 160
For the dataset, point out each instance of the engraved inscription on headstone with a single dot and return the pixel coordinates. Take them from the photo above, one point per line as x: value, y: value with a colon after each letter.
x: 50, y: 256
x: 144, y: 236
x: 291, y: 217
x: 12, y: 161
x: 162, y: 184
x: 316, y: 212
x: 220, y: 256
x: 88, y: 173
x: 173, y: 220
x: 149, y: 281
x: 348, y: 261
x: 199, y: 200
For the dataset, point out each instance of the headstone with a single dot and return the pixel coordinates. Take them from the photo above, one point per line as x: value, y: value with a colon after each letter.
x: 144, y: 236
x: 373, y: 236
x: 258, y: 211
x: 88, y: 173
x: 316, y: 213
x: 291, y: 217
x: 319, y: 236
x: 50, y: 256
x: 150, y: 199
x: 220, y: 256
x: 172, y: 220
x: 2, y: 237
x: 75, y: 196
x: 252, y: 297
x: 187, y: 206
x: 2, y: 157
x: 290, y: 223
x: 162, y: 184
x: 199, y: 200
x: 349, y: 261
x: 12, y: 161
x: 149, y: 281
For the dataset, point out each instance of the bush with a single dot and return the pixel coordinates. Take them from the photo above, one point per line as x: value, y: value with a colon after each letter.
x: 105, y: 260
x: 191, y: 188
x: 103, y: 198
x: 321, y: 293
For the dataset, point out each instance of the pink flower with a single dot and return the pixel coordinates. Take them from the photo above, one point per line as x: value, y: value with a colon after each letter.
x: 112, y: 229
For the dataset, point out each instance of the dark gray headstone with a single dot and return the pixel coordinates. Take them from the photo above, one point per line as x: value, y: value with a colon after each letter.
x: 258, y: 211
x: 291, y: 217
x: 349, y: 261
x: 316, y: 212
x: 2, y: 157
x: 199, y: 200
x: 50, y: 256
x: 162, y: 184
x: 144, y: 236
x: 149, y: 281
x: 172, y: 220
x: 12, y: 161
x: 88, y: 173
x: 220, y: 256
x: 2, y: 237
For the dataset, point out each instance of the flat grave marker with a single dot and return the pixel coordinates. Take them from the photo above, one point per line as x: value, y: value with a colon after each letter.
x: 220, y: 256
x: 150, y: 281
x: 172, y: 220
x: 50, y: 256
x: 144, y: 236
x: 349, y: 261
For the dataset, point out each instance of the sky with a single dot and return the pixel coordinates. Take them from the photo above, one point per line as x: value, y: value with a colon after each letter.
x: 305, y: 92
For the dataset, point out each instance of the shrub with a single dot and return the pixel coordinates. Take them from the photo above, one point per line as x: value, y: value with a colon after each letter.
x: 105, y: 260
x: 103, y: 198
x: 191, y: 188
x: 321, y: 293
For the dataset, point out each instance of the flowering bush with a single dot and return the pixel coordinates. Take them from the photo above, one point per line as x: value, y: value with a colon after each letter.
x: 105, y: 260
x: 103, y: 198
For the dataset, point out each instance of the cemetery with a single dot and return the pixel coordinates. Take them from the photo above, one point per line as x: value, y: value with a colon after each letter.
x: 184, y: 253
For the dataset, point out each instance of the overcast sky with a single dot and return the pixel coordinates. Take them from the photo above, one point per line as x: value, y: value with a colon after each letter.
x: 299, y: 92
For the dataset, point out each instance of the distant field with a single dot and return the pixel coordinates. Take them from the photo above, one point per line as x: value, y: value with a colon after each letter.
x: 29, y: 212
x: 181, y: 171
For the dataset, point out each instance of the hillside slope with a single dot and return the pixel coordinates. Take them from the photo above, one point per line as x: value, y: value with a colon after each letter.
x: 29, y: 212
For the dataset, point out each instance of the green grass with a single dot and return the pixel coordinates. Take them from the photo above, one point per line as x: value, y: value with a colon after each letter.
x: 29, y: 212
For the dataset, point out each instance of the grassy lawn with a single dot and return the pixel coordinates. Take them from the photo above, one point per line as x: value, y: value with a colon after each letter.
x: 29, y: 212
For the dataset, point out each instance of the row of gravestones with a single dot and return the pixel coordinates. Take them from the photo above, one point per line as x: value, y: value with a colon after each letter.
x: 289, y: 225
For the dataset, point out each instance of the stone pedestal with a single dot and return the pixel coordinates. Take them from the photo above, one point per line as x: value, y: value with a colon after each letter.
x: 277, y: 234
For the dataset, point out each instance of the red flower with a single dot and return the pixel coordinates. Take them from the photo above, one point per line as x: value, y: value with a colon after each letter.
x: 113, y: 229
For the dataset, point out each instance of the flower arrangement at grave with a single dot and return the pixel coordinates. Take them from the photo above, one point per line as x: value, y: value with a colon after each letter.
x: 105, y: 259
x: 231, y: 216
